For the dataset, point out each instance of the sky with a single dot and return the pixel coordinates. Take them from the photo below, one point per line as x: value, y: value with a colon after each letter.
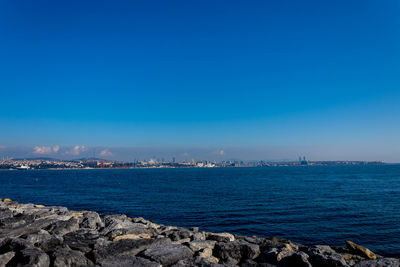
x: 254, y: 79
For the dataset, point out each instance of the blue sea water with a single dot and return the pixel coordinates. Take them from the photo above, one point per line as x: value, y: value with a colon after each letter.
x: 310, y: 205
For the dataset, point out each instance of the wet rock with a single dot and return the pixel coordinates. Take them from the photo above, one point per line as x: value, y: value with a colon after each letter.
x: 384, y: 262
x: 82, y: 239
x: 91, y: 220
x: 325, y: 256
x: 359, y: 250
x: 68, y: 257
x: 220, y: 237
x: 6, y: 257
x: 127, y: 247
x: 168, y: 254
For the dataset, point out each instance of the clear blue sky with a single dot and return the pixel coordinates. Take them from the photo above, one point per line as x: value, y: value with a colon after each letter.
x: 202, y: 74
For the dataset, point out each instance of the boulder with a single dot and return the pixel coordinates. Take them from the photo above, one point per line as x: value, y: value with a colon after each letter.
x: 197, y: 245
x: 82, y: 239
x: 197, y: 262
x: 6, y: 257
x: 63, y: 227
x: 127, y: 261
x: 238, y: 250
x: 359, y: 250
x: 68, y: 257
x: 130, y: 247
x: 34, y: 257
x: 91, y: 220
x: 132, y: 236
x: 220, y: 237
x: 325, y: 256
x: 384, y: 262
x: 168, y: 254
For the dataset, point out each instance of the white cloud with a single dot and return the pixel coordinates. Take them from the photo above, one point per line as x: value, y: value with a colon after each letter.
x: 105, y: 152
x: 76, y: 150
x: 221, y: 152
x: 42, y: 150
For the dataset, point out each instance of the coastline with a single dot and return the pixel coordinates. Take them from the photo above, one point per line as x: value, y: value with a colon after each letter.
x: 37, y: 235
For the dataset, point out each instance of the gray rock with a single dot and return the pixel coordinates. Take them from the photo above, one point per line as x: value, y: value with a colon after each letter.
x: 68, y: 257
x: 199, y: 236
x: 197, y: 245
x: 127, y: 261
x: 51, y: 244
x: 168, y: 254
x: 5, y: 213
x: 82, y: 239
x: 384, y: 262
x: 28, y: 228
x: 130, y: 247
x: 63, y: 227
x: 325, y: 256
x: 276, y: 255
x: 37, y: 238
x: 14, y: 244
x: 196, y: 262
x: 6, y: 257
x: 298, y: 259
x: 91, y: 220
x: 34, y: 257
x: 238, y: 250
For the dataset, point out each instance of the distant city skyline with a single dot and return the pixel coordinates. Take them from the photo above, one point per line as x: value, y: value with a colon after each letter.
x: 128, y: 154
x: 261, y: 80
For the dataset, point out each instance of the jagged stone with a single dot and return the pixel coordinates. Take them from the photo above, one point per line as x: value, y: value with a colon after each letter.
x: 82, y: 239
x: 237, y: 250
x: 168, y: 254
x: 68, y: 257
x: 63, y: 227
x: 384, y: 262
x: 34, y: 257
x: 196, y: 262
x: 126, y: 246
x: 357, y: 249
x: 220, y: 237
x: 14, y: 244
x: 6, y: 257
x: 200, y: 236
x: 325, y: 256
x: 197, y: 245
x: 91, y: 220
x: 127, y: 261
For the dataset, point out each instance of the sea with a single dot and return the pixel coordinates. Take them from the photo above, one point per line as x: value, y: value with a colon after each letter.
x: 306, y: 204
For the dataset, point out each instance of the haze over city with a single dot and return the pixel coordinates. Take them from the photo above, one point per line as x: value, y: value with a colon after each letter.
x: 206, y: 80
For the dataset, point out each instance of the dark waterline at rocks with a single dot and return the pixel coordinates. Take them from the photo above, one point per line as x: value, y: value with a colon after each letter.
x: 309, y: 205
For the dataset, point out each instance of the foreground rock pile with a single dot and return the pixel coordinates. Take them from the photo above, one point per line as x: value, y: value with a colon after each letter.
x: 36, y: 235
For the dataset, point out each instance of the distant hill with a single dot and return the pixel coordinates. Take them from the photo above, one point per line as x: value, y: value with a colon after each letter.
x: 38, y: 158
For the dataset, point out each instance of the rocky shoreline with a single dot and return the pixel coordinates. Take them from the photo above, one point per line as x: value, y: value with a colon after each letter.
x: 37, y: 235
